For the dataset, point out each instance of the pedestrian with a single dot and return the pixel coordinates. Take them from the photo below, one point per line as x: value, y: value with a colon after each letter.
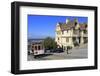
x: 67, y: 50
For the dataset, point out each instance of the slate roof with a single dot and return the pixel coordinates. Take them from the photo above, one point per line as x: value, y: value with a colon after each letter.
x: 72, y: 24
x: 83, y: 26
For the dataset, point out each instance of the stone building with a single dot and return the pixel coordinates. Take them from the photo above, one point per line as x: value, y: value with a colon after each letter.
x: 71, y: 33
x: 36, y: 47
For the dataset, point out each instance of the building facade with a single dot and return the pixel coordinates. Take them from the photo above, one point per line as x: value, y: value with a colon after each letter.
x: 71, y: 33
x: 35, y: 46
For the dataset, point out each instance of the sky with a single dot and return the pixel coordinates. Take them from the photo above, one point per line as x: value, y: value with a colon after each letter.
x: 41, y: 26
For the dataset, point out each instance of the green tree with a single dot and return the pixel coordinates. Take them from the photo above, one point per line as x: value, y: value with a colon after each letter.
x: 49, y: 43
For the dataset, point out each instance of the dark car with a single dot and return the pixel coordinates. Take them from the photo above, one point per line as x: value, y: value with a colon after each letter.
x: 47, y: 50
x: 57, y: 50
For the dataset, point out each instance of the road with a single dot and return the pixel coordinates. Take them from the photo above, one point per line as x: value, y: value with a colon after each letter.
x: 75, y: 53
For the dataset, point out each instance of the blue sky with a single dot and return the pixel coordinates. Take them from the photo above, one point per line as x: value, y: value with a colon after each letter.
x: 41, y: 26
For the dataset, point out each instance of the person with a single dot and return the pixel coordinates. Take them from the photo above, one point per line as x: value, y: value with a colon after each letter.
x: 68, y: 48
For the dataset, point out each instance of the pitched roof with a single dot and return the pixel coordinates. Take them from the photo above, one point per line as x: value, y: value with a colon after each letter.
x: 71, y: 24
x: 83, y: 26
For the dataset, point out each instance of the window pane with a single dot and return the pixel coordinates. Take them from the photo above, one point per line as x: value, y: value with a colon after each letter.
x: 67, y: 39
x: 35, y: 47
x: 38, y: 47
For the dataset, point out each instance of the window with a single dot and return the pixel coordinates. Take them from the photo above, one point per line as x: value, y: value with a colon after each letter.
x: 35, y: 47
x: 75, y: 31
x: 39, y: 48
x: 85, y: 31
x: 58, y: 38
x: 58, y: 32
x: 67, y: 39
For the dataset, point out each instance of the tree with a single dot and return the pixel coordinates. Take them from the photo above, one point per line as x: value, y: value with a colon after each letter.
x: 49, y: 43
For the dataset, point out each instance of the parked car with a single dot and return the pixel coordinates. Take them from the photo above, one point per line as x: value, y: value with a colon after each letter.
x: 57, y: 50
x: 47, y: 51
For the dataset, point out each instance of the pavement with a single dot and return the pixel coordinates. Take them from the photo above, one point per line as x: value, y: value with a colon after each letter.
x: 75, y: 53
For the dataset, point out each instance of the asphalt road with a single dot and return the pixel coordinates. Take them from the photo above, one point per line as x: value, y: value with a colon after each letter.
x: 75, y: 53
